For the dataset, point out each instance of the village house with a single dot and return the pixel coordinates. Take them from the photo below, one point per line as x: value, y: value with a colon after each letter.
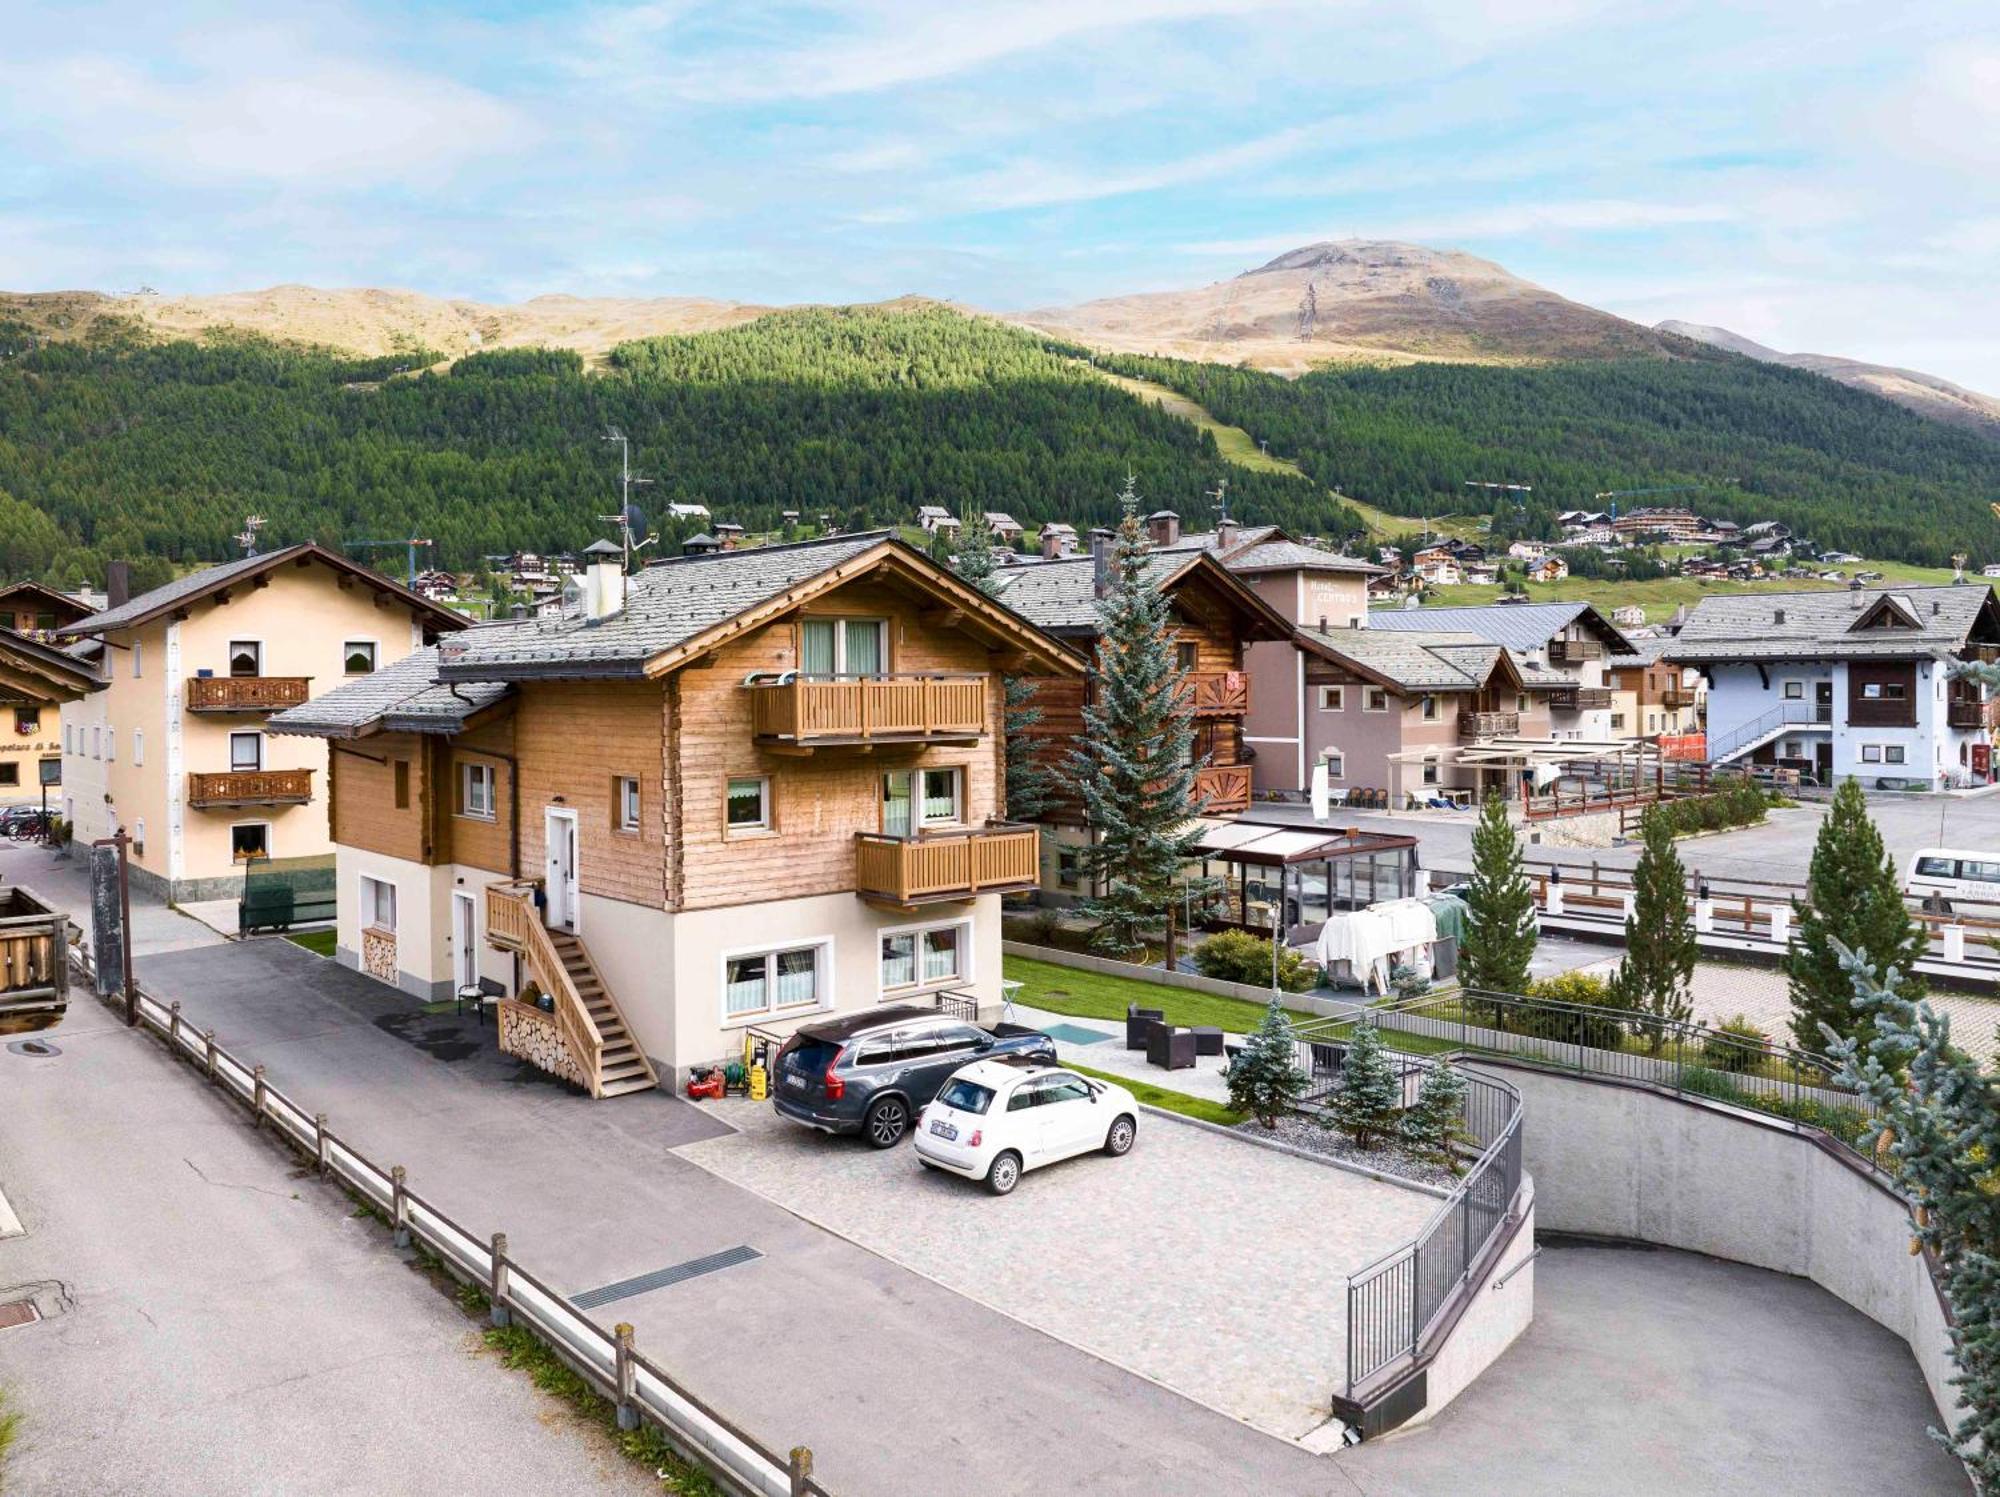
x: 1547, y: 569
x: 722, y: 796
x: 934, y: 518
x: 1643, y: 524
x: 173, y: 744
x: 1849, y: 684
x: 1005, y: 528
x: 37, y: 611
x: 1057, y: 540
x: 37, y: 680
x: 1651, y: 697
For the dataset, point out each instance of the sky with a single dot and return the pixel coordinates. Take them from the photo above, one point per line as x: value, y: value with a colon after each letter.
x: 1821, y: 177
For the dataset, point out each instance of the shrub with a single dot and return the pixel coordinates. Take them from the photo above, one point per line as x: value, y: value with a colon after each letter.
x: 1735, y: 1045
x: 1436, y: 1121
x: 1364, y: 1105
x: 1239, y: 956
x: 1265, y: 1080
x: 1599, y: 1026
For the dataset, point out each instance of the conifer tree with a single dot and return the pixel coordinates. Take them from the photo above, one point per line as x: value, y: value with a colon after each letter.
x: 1265, y: 1080
x: 1853, y: 899
x: 974, y: 560
x: 1500, y: 928
x: 1030, y: 787
x: 1365, y: 1102
x: 1436, y: 1120
x: 1134, y: 766
x: 1660, y: 950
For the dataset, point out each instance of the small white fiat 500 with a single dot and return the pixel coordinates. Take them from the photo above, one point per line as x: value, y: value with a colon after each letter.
x: 996, y: 1118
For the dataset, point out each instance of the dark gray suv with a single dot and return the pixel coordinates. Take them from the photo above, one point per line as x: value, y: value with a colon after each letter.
x: 870, y: 1073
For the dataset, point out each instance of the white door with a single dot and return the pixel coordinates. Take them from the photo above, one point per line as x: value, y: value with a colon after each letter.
x: 465, y: 930
x: 1071, y: 1122
x: 561, y: 886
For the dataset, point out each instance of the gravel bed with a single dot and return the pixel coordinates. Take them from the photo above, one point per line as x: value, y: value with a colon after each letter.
x: 1302, y: 1132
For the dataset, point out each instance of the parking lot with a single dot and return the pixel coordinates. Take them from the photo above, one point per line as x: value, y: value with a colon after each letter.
x: 1205, y: 1263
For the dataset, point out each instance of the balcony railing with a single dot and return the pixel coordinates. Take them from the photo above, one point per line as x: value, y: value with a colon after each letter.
x: 807, y: 710
x: 921, y: 870
x: 1676, y: 697
x: 1580, y: 698
x: 246, y: 693
x: 1219, y: 693
x: 250, y: 787
x: 1226, y: 787
x: 1575, y: 651
x: 1973, y: 714
x: 1476, y: 725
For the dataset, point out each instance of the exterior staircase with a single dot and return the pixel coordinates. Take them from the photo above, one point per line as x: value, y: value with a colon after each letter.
x: 621, y: 1065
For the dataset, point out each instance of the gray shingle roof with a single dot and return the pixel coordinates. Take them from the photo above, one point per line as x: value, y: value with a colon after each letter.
x: 1434, y: 660
x: 1820, y: 625
x: 192, y: 585
x: 1063, y: 594
x: 403, y: 697
x: 1518, y: 626
x: 1288, y: 556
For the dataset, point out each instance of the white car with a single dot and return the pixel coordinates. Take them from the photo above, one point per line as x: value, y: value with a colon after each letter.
x: 996, y: 1118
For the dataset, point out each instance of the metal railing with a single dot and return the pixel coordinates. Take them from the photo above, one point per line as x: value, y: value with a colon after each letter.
x: 1748, y: 735
x: 607, y: 1359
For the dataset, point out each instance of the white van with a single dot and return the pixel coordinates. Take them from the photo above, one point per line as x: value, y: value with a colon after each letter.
x: 1952, y: 874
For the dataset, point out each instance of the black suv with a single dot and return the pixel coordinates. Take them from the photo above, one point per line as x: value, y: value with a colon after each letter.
x: 870, y: 1073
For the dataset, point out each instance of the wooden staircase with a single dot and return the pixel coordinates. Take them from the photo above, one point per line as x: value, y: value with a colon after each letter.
x: 621, y: 1065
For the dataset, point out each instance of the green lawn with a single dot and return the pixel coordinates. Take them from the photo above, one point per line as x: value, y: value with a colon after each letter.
x: 1093, y: 995
x: 1169, y: 1101
x: 319, y: 942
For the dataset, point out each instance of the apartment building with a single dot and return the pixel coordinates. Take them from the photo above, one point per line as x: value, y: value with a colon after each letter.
x: 1651, y: 697
x: 173, y: 742
x: 726, y: 794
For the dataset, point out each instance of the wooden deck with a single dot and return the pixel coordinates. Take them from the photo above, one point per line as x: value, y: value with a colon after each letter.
x: 831, y: 710
x: 253, y: 787
x: 924, y: 870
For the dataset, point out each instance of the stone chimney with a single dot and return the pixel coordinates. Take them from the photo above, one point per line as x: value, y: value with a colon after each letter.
x: 1054, y: 543
x: 1164, y: 526
x: 117, y: 584
x: 603, y: 580
x: 1225, y: 533
x: 1100, y: 559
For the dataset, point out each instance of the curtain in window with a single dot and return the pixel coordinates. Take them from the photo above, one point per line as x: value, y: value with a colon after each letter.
x: 899, y: 961
x: 798, y: 976
x: 743, y: 990
x: 940, y: 954
x: 940, y: 795
x: 896, y: 804
x: 864, y: 648
x: 816, y: 655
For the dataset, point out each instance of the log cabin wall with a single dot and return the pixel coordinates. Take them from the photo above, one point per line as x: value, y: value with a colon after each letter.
x: 377, y: 804
x: 476, y: 842
x: 572, y: 740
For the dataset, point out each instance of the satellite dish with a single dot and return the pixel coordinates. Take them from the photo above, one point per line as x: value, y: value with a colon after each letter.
x: 572, y: 595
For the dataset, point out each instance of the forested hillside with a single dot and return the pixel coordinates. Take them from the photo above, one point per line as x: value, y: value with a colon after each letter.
x: 1844, y: 467
x: 125, y: 448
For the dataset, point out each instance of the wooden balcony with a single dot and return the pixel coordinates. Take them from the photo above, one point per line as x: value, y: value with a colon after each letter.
x: 1226, y: 786
x: 1972, y: 715
x: 251, y: 787
x: 1219, y: 693
x: 246, y: 693
x: 909, y: 871
x: 1674, y: 698
x: 1580, y: 698
x: 829, y: 711
x: 1473, y: 726
x: 1575, y: 651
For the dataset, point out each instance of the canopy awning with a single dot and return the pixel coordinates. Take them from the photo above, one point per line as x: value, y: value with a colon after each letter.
x: 1263, y: 842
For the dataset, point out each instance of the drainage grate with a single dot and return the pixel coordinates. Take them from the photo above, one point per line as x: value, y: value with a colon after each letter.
x: 33, y: 1047
x: 661, y: 1278
x: 21, y: 1312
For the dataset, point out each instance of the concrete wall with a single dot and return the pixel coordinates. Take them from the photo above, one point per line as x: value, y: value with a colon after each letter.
x: 1491, y: 1322
x: 1613, y: 1160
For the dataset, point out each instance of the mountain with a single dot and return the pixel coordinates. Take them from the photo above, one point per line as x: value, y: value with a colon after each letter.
x: 1925, y: 394
x: 1373, y: 300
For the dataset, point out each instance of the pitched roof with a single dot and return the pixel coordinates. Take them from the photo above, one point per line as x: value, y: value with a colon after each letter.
x: 1519, y: 626
x: 1285, y: 555
x: 1822, y: 624
x: 40, y: 592
x: 1060, y: 594
x: 404, y: 697
x: 150, y: 605
x: 53, y: 663
x: 1437, y: 660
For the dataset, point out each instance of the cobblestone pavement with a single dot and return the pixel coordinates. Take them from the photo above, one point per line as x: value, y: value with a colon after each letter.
x: 1210, y: 1265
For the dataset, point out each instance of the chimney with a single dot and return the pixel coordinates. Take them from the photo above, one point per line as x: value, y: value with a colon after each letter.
x: 1225, y: 533
x: 117, y: 584
x: 1854, y: 591
x: 603, y: 580
x: 1100, y: 560
x: 1164, y: 526
x: 1053, y: 542
x: 518, y: 611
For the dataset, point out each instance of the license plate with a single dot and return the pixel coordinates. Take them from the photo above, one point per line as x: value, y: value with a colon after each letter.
x: 944, y: 1130
x: 798, y: 1082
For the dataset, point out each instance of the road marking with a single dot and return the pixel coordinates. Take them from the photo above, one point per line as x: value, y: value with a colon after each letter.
x: 660, y: 1278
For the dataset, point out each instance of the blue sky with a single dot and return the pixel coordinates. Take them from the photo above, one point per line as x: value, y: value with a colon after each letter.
x: 1817, y: 176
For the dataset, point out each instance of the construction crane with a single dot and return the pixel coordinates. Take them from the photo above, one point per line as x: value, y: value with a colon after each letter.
x: 1517, y: 491
x: 411, y: 544
x: 1671, y: 488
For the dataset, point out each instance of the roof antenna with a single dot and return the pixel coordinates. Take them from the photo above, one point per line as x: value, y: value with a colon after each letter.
x: 247, y: 536
x: 627, y: 481
x: 1220, y: 494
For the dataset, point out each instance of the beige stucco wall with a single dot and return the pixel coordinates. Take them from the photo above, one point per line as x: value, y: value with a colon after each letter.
x: 426, y: 939
x: 26, y: 751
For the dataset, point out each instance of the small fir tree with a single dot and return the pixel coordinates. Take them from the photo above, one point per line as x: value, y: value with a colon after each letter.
x: 1854, y: 900
x: 1657, y: 974
x: 1500, y: 928
x: 1134, y: 766
x: 1265, y: 1080
x: 1436, y: 1120
x: 974, y: 559
x: 1365, y: 1102
x: 1031, y: 789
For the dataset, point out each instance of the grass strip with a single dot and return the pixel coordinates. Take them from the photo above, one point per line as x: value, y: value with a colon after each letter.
x: 318, y: 942
x: 1158, y: 1096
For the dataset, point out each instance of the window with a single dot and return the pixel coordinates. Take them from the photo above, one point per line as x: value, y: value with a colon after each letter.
x: 252, y: 839
x: 843, y: 647
x: 378, y: 904
x: 110, y: 745
x: 1795, y: 691
x: 97, y: 743
x: 932, y: 954
x: 475, y: 791
x: 27, y: 720
x: 966, y: 1096
x: 1893, y: 754
x: 767, y: 981
x: 1336, y: 763
x: 246, y: 657
x: 1429, y: 704
x: 1937, y: 868
x: 357, y: 657
x: 138, y: 660
x: 747, y: 807
x: 139, y: 837
x: 917, y: 798
x: 1871, y: 753
x: 138, y: 745
x: 1333, y: 699
x: 1375, y: 699
x: 1069, y: 867
x: 246, y: 752
x: 1884, y: 691
x: 1617, y: 722
x: 626, y: 799
x: 10, y: 772
x: 1430, y: 771
x: 1187, y: 654
x: 46, y: 622
x: 399, y: 774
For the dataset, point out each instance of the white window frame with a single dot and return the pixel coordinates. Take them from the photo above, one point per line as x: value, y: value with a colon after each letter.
x: 766, y: 821
x: 919, y: 799
x: 138, y: 659
x: 236, y: 857
x: 1431, y: 774
x: 138, y: 747
x: 630, y: 802
x: 229, y: 657
x: 254, y: 737
x: 884, y: 990
x: 369, y: 895
x: 470, y: 774
x: 1369, y: 694
x: 139, y: 837
x: 1333, y: 699
x: 111, y: 745
x: 374, y: 648
x: 823, y: 981
x: 1335, y: 761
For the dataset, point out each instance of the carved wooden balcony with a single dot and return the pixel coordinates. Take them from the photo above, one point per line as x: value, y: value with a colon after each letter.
x: 1226, y: 786
x: 1219, y: 693
x: 1473, y: 726
x: 250, y: 787
x: 246, y: 693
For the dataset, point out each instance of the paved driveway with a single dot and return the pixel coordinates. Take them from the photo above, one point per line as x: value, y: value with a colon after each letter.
x: 1212, y: 1265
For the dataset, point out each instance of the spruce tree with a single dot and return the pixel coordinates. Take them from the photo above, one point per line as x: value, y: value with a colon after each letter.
x: 1436, y: 1120
x: 1030, y: 786
x: 1265, y: 1080
x: 1500, y: 928
x: 1660, y: 951
x: 1134, y: 766
x: 1366, y: 1101
x: 1853, y: 899
x: 975, y: 560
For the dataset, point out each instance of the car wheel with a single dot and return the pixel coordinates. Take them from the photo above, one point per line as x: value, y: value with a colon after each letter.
x: 887, y: 1121
x: 1119, y: 1140
x: 1005, y: 1173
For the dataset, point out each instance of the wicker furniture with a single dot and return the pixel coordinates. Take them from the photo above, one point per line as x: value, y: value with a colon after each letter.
x: 1139, y: 1023
x: 1207, y: 1040
x: 1169, y: 1048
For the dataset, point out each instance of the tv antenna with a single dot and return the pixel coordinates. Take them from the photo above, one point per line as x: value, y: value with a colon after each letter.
x: 247, y: 536
x: 1220, y: 494
x: 627, y: 481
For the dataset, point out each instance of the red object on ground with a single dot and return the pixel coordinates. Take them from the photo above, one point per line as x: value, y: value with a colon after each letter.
x: 705, y: 1084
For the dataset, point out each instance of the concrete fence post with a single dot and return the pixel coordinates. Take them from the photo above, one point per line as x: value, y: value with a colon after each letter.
x: 174, y: 1021
x: 628, y: 1410
x: 1553, y: 899
x: 1954, y: 943
x: 800, y: 1469
x: 257, y: 1097
x: 1628, y: 899
x: 399, y: 1204
x: 208, y: 1056
x: 1781, y: 924
x: 496, y: 1288
x: 1704, y: 916
x: 320, y: 1155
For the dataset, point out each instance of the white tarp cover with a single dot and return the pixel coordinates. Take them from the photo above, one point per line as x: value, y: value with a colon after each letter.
x: 1367, y: 941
